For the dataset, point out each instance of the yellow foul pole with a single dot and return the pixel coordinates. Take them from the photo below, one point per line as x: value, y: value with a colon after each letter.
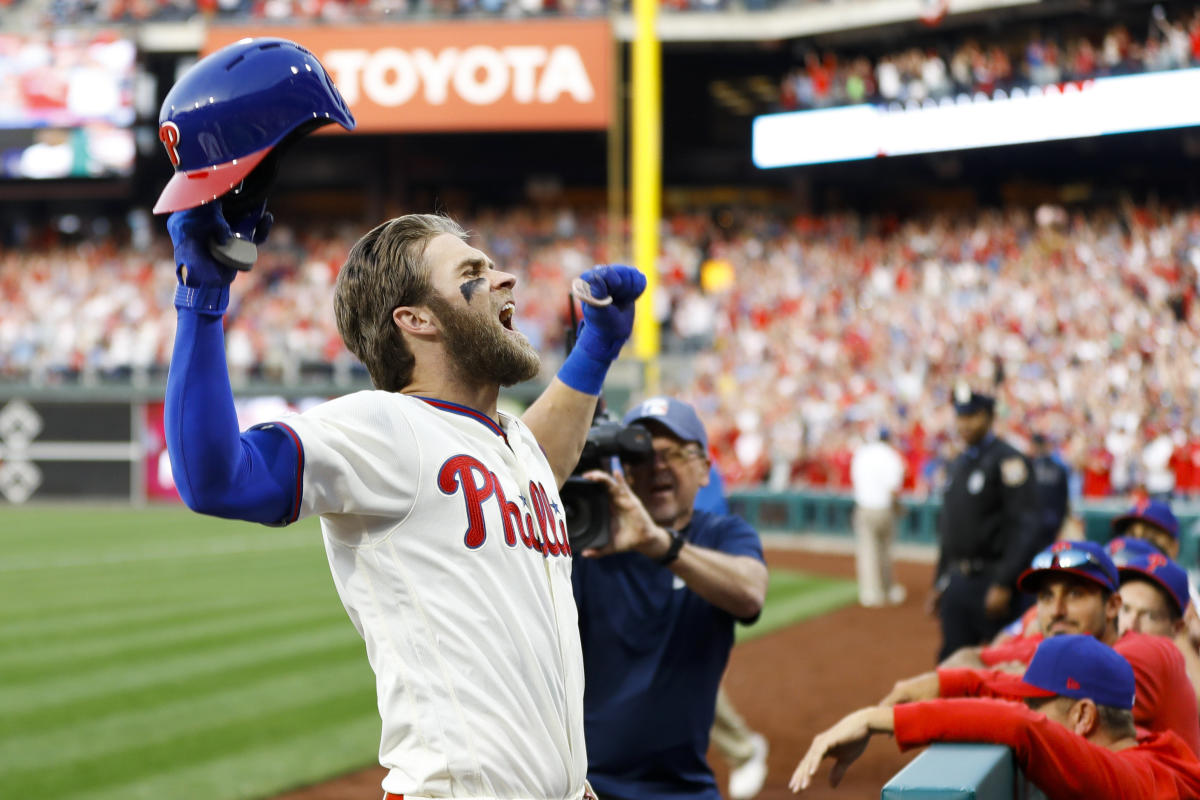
x: 646, y: 183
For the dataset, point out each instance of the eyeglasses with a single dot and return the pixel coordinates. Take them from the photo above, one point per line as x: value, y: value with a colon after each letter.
x: 1072, y: 558
x: 671, y: 456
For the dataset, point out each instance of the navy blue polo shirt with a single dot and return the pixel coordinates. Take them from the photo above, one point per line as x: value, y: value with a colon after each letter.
x: 653, y: 655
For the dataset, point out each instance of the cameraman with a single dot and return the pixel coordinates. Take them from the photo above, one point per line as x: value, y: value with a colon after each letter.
x: 657, y: 606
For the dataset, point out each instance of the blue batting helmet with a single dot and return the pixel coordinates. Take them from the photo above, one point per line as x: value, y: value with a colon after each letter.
x: 227, y: 113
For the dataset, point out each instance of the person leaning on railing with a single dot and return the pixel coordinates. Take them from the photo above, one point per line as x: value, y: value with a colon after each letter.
x: 1073, y: 738
x: 1077, y: 588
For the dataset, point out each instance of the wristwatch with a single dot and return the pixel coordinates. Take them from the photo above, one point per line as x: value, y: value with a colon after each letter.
x: 672, y: 551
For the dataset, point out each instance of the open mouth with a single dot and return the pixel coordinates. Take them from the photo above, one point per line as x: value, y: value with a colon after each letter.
x: 506, y: 315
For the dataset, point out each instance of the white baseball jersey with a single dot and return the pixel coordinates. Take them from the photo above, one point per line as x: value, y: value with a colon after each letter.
x: 448, y: 545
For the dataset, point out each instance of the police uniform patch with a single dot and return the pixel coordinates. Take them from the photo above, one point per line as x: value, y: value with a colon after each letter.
x: 1013, y: 471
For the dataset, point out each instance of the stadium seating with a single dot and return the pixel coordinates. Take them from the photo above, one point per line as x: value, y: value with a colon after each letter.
x: 792, y: 335
x: 969, y: 65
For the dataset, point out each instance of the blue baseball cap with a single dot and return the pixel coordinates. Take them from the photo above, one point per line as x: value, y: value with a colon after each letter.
x: 1122, y: 548
x: 1163, y: 572
x: 1077, y: 665
x: 1084, y: 559
x: 675, y: 415
x: 1155, y: 512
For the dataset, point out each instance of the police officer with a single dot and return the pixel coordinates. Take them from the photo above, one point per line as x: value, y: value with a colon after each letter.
x: 987, y: 530
x: 1051, y: 480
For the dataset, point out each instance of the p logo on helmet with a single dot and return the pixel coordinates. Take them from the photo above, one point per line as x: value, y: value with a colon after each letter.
x: 168, y: 134
x: 233, y: 108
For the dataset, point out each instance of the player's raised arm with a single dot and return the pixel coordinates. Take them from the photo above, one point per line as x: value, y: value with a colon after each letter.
x: 225, y: 125
x: 217, y: 470
x: 561, y: 416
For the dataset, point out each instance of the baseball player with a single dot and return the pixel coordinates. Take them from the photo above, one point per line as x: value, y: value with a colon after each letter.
x: 1077, y: 739
x: 1076, y: 584
x: 440, y: 515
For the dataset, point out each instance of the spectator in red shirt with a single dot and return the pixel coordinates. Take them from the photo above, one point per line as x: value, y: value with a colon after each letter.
x: 1190, y: 485
x: 1076, y: 739
x: 1097, y: 475
x: 1076, y: 586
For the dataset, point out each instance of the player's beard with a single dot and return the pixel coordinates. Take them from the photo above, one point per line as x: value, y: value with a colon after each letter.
x: 482, y: 349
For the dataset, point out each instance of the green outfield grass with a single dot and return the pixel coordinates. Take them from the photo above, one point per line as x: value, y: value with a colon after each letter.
x: 161, y: 654
x: 793, y: 596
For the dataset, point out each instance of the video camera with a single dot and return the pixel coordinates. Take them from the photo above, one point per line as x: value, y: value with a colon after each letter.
x: 586, y: 504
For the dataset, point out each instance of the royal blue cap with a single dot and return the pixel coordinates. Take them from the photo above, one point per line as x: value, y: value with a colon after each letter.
x: 1163, y: 572
x: 1077, y: 665
x: 1122, y: 548
x: 675, y: 415
x: 1085, y: 559
x: 1156, y: 512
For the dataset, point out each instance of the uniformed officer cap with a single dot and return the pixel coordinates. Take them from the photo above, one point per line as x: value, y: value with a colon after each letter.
x: 969, y: 402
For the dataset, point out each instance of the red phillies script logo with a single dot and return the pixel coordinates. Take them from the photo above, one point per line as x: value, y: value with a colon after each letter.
x: 168, y: 134
x: 536, y: 522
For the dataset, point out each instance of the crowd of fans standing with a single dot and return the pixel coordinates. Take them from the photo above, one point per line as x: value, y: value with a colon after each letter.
x: 794, y: 335
x: 971, y: 66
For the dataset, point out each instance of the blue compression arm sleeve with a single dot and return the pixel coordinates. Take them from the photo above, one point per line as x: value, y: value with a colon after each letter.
x: 253, y: 476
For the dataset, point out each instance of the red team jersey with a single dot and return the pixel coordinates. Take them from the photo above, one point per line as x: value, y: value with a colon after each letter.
x: 1060, y: 762
x: 1165, y: 699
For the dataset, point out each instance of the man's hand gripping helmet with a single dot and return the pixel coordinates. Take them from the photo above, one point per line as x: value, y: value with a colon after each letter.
x: 227, y: 122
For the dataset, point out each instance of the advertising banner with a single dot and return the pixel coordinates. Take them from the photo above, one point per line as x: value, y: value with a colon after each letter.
x: 160, y: 485
x: 461, y: 76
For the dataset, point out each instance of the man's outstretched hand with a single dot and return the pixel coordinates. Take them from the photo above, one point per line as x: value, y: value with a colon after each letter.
x: 844, y: 743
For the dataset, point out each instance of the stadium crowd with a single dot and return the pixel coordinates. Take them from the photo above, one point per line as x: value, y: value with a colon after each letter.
x: 72, y: 12
x: 793, y: 336
x: 971, y: 67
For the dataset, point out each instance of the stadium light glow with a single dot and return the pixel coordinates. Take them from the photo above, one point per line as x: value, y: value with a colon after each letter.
x: 1124, y: 104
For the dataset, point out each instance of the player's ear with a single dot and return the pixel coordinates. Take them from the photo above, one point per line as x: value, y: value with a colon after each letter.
x: 1084, y: 717
x: 417, y: 320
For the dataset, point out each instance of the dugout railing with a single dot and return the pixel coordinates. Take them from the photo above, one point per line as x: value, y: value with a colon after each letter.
x: 961, y: 772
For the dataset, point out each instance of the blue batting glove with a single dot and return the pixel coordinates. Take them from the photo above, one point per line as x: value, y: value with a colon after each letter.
x: 203, y: 279
x: 191, y: 231
x: 606, y: 328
